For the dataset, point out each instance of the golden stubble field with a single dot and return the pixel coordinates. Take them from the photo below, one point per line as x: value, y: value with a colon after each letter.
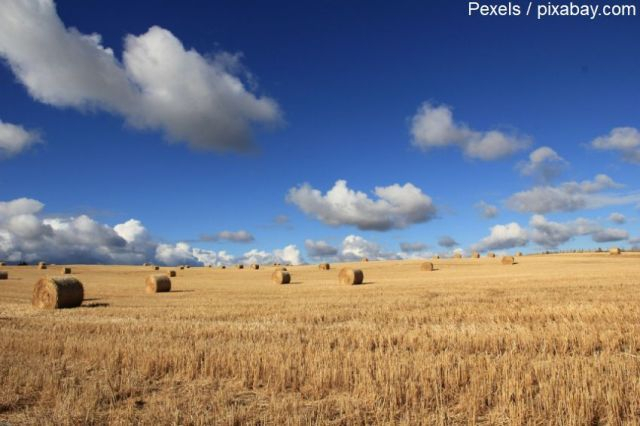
x: 554, y: 339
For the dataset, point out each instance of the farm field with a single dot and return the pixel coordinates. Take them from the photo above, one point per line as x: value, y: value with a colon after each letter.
x: 554, y: 339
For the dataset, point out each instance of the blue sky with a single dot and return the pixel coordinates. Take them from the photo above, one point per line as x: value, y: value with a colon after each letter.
x: 329, y: 91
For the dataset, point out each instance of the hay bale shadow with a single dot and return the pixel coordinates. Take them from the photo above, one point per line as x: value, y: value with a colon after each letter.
x: 95, y: 305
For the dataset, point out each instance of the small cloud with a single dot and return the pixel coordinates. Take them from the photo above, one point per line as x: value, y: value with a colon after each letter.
x: 624, y: 140
x: 231, y: 236
x: 618, y: 218
x: 447, y: 242
x: 15, y: 139
x: 503, y: 237
x: 319, y: 248
x: 487, y: 211
x: 396, y: 206
x: 544, y: 164
x: 281, y: 219
x: 609, y: 235
x: 433, y: 127
x: 413, y: 247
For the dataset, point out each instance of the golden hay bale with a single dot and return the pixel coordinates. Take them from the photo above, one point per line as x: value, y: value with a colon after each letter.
x: 615, y: 250
x: 181, y: 268
x: 240, y: 266
x: 324, y: 266
x: 171, y: 273
x: 255, y: 266
x: 188, y: 266
x: 42, y: 265
x: 156, y: 268
x: 508, y: 260
x: 350, y: 276
x: 519, y: 253
x: 365, y: 259
x: 223, y: 267
x: 457, y: 256
x: 2, y: 264
x: 426, y: 266
x: 57, y: 293
x: 436, y: 257
x: 157, y: 284
x: 475, y: 255
x: 146, y: 264
x: 281, y: 277
x: 4, y: 275
x: 491, y: 254
x: 66, y: 271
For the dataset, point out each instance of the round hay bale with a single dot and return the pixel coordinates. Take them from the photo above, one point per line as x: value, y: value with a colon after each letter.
x: 171, y: 273
x: 255, y: 266
x: 3, y: 264
x: 508, y: 260
x: 156, y: 268
x: 365, y: 259
x: 475, y: 255
x: 182, y: 268
x: 66, y: 271
x: 436, y: 257
x: 240, y: 266
x: 426, y: 266
x: 42, y: 265
x: 223, y: 267
x: 4, y: 275
x: 324, y: 266
x: 350, y: 276
x: 188, y: 266
x: 615, y: 250
x: 281, y: 277
x: 157, y: 284
x: 146, y: 264
x: 457, y: 256
x: 57, y: 293
x: 491, y: 254
x: 519, y: 253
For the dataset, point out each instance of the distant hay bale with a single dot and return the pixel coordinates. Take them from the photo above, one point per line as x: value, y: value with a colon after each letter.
x: 66, y: 271
x: 4, y: 275
x: 3, y: 264
x: 223, y: 267
x: 240, y: 266
x: 436, y: 257
x: 42, y: 265
x: 157, y: 284
x: 350, y: 276
x: 155, y: 268
x: 615, y: 250
x: 255, y: 266
x: 182, y: 267
x: 508, y: 260
x: 475, y: 255
x: 171, y: 273
x: 188, y: 266
x: 519, y: 254
x: 324, y: 266
x: 457, y: 256
x: 209, y: 266
x: 281, y: 277
x: 491, y: 254
x: 57, y: 293
x: 146, y: 264
x: 426, y: 266
x: 365, y: 259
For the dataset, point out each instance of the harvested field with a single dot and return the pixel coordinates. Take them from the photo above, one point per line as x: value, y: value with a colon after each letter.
x: 554, y: 339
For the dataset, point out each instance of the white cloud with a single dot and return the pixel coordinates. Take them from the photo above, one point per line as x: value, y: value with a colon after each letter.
x: 544, y: 164
x: 159, y: 84
x: 241, y: 236
x: 624, y: 140
x: 618, y: 218
x: 433, y: 126
x: 413, y: 247
x: 609, y: 235
x: 447, y: 242
x: 503, y: 237
x: 355, y: 247
x: 487, y: 211
x: 571, y: 196
x: 289, y: 254
x: 397, y: 206
x: 319, y: 249
x: 14, y: 139
x: 131, y: 230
